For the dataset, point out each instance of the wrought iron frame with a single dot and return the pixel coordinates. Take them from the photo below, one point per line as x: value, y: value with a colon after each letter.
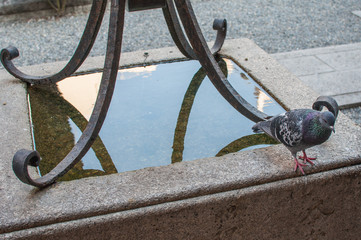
x: 192, y: 44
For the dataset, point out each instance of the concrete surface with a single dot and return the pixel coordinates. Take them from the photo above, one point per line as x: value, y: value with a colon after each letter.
x: 253, y: 194
x: 334, y: 71
x: 354, y: 114
x: 357, y: 13
x: 290, y: 209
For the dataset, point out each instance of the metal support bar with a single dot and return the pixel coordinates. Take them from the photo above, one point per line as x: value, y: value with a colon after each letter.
x: 205, y: 57
x: 24, y: 157
x: 175, y: 29
x: 85, y: 45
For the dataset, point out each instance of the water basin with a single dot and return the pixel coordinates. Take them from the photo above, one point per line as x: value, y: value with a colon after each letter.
x: 159, y: 114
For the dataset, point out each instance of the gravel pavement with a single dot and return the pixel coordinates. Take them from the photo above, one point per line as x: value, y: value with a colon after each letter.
x: 276, y: 26
x: 354, y: 114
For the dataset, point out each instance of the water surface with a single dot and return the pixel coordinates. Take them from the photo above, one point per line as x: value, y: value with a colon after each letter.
x: 159, y: 114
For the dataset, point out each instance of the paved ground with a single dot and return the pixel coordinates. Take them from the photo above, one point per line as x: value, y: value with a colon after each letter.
x: 334, y: 71
x: 276, y: 26
x: 289, y: 30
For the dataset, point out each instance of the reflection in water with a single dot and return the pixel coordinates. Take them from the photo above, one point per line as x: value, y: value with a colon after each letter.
x: 157, y: 116
x: 82, y: 100
x: 54, y: 137
x: 246, y: 142
x: 262, y: 99
x: 188, y: 100
x: 142, y: 72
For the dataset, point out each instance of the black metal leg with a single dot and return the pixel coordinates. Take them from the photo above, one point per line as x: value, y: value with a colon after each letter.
x: 175, y: 29
x: 86, y: 43
x: 23, y: 158
x: 209, y: 63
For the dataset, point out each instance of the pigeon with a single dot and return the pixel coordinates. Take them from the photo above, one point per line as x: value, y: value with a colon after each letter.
x: 298, y: 130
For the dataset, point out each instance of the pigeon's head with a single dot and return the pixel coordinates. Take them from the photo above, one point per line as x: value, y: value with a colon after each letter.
x: 327, y: 120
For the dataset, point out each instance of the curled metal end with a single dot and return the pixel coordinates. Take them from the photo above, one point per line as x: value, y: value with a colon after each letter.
x: 9, y: 53
x: 220, y: 25
x: 328, y: 102
x: 21, y: 160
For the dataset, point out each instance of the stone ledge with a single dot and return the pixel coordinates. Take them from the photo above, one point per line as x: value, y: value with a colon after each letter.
x: 322, y: 205
x: 316, y: 51
x: 152, y: 194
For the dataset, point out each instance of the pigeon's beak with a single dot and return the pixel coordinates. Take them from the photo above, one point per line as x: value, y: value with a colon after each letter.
x: 332, y: 128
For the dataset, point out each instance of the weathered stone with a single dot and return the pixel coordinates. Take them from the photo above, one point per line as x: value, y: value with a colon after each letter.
x: 251, y: 194
x: 333, y: 71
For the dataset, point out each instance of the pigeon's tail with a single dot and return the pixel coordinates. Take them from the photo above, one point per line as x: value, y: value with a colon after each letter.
x: 257, y: 129
x: 263, y: 127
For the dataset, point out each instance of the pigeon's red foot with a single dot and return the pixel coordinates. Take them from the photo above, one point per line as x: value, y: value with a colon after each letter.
x: 299, y: 165
x: 306, y: 159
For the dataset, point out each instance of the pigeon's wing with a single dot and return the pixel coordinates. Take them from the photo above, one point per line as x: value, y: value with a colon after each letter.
x: 287, y: 128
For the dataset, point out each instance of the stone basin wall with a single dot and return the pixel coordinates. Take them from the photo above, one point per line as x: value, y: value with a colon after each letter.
x: 253, y: 194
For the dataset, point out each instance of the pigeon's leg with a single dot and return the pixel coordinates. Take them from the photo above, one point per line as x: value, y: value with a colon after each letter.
x: 306, y: 159
x: 299, y: 165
